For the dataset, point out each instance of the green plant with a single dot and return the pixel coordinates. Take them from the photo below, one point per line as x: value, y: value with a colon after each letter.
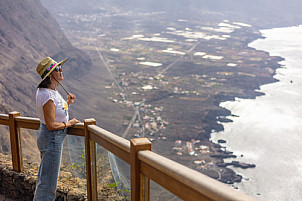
x: 81, y: 166
x: 111, y: 185
x: 118, y: 187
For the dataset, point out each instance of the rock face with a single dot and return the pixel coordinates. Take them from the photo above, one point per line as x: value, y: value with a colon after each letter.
x: 28, y: 33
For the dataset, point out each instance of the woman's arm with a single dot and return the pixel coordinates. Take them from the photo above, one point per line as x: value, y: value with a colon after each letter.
x: 49, y: 116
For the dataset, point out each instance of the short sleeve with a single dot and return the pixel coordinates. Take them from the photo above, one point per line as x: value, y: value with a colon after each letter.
x: 46, y: 96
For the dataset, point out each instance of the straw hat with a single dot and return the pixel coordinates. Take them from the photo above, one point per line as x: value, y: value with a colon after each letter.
x: 47, y: 65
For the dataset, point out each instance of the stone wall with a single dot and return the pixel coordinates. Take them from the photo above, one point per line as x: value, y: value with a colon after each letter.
x: 16, y: 185
x: 21, y: 186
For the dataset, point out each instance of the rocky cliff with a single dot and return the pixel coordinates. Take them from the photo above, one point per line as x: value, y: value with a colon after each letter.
x: 28, y: 33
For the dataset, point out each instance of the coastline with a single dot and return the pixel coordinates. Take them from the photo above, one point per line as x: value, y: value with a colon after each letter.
x: 213, y: 121
x: 264, y: 127
x: 226, y: 159
x: 189, y: 93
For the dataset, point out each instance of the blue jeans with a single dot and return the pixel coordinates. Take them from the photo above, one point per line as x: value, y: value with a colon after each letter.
x: 50, y: 144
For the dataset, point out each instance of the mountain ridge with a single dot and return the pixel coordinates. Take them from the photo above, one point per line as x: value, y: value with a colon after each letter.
x: 28, y: 33
x: 272, y: 13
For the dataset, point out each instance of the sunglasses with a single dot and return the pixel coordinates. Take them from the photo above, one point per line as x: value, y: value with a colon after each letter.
x: 58, y: 68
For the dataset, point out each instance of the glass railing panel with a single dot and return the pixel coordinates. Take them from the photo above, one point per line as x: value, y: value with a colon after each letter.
x: 157, y: 192
x: 30, y: 151
x: 5, y: 149
x: 113, y: 176
x: 73, y: 166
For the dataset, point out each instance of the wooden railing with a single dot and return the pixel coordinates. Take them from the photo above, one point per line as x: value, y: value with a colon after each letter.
x: 184, y: 182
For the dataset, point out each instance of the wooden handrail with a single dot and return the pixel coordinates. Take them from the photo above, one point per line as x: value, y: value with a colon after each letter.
x: 184, y: 182
x: 113, y: 143
x: 4, y: 119
x: 34, y: 123
x: 28, y: 122
x: 77, y: 129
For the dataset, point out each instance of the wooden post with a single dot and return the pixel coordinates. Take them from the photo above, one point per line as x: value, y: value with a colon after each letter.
x: 140, y: 184
x: 90, y: 151
x: 15, y: 141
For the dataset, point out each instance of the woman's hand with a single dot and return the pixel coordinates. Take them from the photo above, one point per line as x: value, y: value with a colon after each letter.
x: 71, y: 98
x: 72, y: 122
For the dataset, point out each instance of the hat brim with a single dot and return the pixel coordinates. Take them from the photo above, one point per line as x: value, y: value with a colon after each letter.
x: 62, y: 62
x: 58, y: 64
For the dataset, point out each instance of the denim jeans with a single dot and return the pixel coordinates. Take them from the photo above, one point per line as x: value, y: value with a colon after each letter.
x: 50, y: 144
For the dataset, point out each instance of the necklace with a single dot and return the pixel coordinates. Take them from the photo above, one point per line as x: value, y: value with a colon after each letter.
x: 52, y: 88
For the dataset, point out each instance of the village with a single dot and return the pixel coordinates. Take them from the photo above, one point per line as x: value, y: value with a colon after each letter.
x: 173, y: 76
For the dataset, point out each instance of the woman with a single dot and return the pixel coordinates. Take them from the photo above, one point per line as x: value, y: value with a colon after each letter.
x: 53, y: 114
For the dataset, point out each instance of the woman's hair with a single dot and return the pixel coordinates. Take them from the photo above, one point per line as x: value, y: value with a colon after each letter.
x: 45, y: 83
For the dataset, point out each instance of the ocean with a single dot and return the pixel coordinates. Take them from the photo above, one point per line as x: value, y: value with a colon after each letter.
x: 267, y: 131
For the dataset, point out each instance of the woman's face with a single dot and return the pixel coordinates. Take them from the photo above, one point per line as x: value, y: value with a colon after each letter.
x: 58, y: 75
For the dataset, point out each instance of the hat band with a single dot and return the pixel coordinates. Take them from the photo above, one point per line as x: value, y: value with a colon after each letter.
x: 48, y: 69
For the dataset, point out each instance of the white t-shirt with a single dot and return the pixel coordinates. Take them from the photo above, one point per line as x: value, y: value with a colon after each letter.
x: 43, y: 95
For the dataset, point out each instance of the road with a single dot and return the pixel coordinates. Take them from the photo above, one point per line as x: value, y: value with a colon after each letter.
x: 179, y: 58
x: 136, y: 114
